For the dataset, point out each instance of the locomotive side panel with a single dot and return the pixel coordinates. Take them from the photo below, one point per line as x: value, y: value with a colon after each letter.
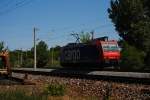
x: 80, y: 55
x: 89, y: 54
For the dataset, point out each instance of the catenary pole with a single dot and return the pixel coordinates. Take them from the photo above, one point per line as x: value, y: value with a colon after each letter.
x: 34, y: 40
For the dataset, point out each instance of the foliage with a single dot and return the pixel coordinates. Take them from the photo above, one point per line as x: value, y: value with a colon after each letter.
x: 84, y: 37
x: 147, y: 59
x: 42, y: 54
x: 132, y: 21
x: 13, y: 58
x: 132, y: 59
x: 54, y: 56
x: 28, y: 63
x: 54, y: 64
x: 1, y: 46
x: 55, y: 90
x: 28, y: 56
x: 55, y: 52
x: 19, y: 95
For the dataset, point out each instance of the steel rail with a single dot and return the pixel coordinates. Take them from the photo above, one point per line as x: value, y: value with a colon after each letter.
x: 123, y: 77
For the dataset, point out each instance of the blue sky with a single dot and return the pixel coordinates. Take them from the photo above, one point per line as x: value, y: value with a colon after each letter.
x: 55, y: 19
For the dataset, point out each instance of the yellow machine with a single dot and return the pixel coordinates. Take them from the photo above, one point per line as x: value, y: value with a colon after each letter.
x: 4, y: 63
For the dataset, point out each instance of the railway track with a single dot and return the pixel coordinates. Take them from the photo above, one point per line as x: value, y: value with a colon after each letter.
x: 125, y: 77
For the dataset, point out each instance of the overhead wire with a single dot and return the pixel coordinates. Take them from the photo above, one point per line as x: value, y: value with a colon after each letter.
x: 11, y: 7
x: 61, y: 39
x: 6, y: 4
x: 73, y: 26
x: 69, y: 32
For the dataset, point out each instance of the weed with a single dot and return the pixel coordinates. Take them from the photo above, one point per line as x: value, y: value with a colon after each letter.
x: 55, y: 90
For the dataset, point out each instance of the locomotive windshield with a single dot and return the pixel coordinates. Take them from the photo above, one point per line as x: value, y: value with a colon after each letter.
x: 110, y: 47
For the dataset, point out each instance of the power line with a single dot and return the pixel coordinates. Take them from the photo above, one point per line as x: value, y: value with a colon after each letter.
x: 56, y: 38
x: 6, y: 4
x: 69, y: 32
x: 87, y: 28
x: 73, y: 26
x: 15, y: 6
x: 66, y: 35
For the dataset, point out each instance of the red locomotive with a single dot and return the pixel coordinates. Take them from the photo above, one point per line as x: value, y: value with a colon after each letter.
x: 97, y: 53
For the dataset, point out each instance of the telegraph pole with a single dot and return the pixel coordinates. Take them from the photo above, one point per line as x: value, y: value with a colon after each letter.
x: 34, y: 40
x: 52, y: 56
x: 92, y: 33
x: 21, y: 57
x: 18, y: 59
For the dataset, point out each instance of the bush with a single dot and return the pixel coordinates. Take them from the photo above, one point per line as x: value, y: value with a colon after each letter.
x: 132, y: 59
x: 55, y: 90
x: 28, y: 63
x: 147, y: 60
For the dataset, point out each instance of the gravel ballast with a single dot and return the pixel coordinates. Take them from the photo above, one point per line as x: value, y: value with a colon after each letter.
x: 94, y: 88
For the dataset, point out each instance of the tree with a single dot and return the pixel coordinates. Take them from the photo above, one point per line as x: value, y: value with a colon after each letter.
x: 26, y: 55
x: 85, y: 37
x: 42, y: 54
x: 2, y: 46
x: 132, y: 21
x: 14, y: 58
x: 55, y: 51
x: 54, y: 56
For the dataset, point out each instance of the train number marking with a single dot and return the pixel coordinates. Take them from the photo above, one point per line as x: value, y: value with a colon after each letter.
x: 72, y: 55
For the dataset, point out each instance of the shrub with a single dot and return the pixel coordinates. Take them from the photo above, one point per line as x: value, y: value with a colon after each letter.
x: 55, y: 90
x: 28, y: 63
x: 147, y: 60
x: 132, y: 59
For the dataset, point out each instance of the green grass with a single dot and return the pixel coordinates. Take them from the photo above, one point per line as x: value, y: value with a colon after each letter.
x: 51, y: 92
x: 19, y: 95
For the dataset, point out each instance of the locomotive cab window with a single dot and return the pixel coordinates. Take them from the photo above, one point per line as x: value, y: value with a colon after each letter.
x: 110, y: 47
x: 105, y: 47
x: 113, y: 47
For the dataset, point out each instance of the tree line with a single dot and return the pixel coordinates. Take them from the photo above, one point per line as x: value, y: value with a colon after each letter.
x: 45, y: 57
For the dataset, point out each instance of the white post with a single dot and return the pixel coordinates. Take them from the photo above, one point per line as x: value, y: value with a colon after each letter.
x: 34, y: 48
x: 52, y: 56
x: 21, y: 57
